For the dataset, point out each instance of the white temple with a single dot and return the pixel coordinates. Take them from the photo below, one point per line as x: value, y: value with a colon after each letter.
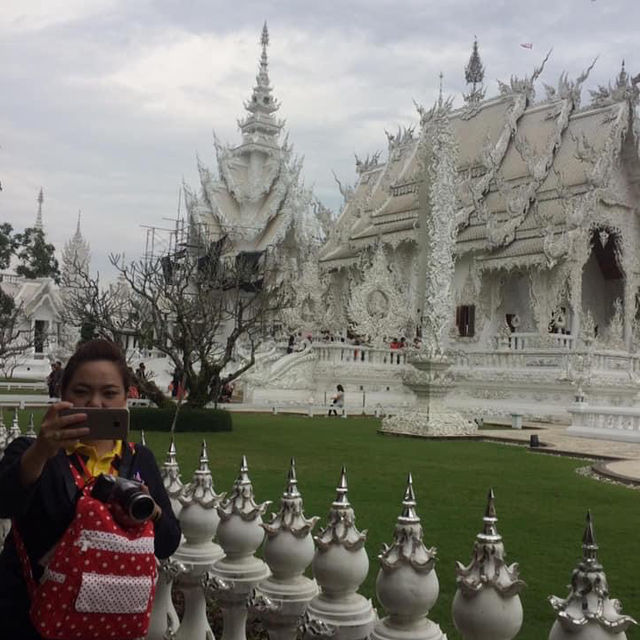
x: 546, y: 272
x: 41, y: 301
x: 258, y: 203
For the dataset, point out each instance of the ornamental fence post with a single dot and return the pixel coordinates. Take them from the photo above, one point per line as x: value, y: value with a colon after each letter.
x: 588, y: 613
x: 234, y: 576
x: 281, y: 600
x: 407, y: 584
x: 486, y: 605
x: 196, y: 555
x: 14, y: 430
x: 164, y: 618
x: 340, y: 565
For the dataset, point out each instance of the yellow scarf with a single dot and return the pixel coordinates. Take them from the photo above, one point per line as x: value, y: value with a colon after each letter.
x: 97, y: 465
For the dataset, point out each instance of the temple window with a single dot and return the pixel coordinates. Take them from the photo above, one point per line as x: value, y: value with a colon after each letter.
x: 466, y: 320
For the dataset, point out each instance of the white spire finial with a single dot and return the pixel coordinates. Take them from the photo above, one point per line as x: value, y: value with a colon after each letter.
x: 39, y: 214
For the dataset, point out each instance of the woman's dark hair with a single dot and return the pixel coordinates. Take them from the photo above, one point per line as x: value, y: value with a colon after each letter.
x: 91, y: 351
x: 340, y: 388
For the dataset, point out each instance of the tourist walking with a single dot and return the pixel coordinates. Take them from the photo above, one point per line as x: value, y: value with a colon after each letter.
x: 337, y: 401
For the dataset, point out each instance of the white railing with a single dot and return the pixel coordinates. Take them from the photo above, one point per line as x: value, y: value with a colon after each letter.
x: 608, y: 423
x: 216, y: 562
x: 530, y: 359
x: 30, y: 386
x: 337, y: 353
x: 532, y: 340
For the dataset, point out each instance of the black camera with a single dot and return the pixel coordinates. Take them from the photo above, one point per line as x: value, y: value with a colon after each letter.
x: 135, y: 502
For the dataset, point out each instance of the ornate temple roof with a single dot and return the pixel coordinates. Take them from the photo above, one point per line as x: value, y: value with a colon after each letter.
x: 525, y: 169
x: 258, y: 196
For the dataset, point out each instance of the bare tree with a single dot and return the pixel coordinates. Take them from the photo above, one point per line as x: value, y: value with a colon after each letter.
x: 15, y: 340
x: 200, y: 308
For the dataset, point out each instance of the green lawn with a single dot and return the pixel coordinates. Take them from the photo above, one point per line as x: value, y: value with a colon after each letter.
x: 541, y: 501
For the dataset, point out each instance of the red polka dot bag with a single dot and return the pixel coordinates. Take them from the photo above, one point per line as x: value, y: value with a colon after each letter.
x: 100, y: 579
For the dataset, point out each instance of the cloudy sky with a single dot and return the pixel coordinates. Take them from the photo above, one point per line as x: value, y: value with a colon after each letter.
x: 105, y: 103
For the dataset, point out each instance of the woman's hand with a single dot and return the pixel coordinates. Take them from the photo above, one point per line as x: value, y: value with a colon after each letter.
x: 56, y: 432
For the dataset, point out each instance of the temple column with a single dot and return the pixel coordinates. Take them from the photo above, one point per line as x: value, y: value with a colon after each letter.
x: 575, y: 300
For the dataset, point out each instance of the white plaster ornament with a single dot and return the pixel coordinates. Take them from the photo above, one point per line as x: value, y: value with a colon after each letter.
x: 240, y: 533
x: 282, y: 599
x: 197, y: 554
x: 407, y: 585
x: 486, y: 605
x: 340, y: 565
x: 588, y: 613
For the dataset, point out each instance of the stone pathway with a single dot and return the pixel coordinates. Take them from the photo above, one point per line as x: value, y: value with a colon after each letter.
x: 618, y: 460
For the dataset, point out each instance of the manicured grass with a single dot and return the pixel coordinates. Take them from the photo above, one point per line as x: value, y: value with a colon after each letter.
x: 541, y: 501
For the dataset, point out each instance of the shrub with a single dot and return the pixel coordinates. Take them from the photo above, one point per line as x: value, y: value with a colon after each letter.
x: 155, y: 419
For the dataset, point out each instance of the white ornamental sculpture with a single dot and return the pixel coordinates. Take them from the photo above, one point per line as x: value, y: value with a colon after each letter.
x: 378, y: 307
x: 309, y: 310
x: 31, y: 429
x: 197, y: 553
x: 487, y: 605
x: 163, y: 615
x: 407, y: 585
x: 588, y: 613
x: 430, y: 377
x: 234, y: 576
x: 14, y: 430
x: 340, y: 565
x: 282, y: 599
x: 170, y: 474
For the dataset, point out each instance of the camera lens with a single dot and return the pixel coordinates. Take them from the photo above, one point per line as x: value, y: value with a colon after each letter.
x: 141, y: 507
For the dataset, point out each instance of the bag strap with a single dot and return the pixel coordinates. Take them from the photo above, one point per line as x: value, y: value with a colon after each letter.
x: 25, y: 562
x: 126, y: 460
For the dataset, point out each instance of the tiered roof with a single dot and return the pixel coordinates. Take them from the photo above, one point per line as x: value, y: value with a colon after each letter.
x: 526, y: 172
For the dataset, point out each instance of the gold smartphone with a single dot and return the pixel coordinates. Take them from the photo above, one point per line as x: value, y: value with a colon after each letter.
x: 103, y: 424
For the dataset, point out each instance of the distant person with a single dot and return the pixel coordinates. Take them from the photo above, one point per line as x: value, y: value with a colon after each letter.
x: 141, y: 371
x: 54, y: 378
x: 337, y: 401
x: 291, y: 344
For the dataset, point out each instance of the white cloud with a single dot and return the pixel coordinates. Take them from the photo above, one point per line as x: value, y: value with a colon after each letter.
x: 23, y: 16
x: 105, y: 102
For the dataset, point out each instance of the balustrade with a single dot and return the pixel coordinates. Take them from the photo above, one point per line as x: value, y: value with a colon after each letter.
x: 343, y: 353
x: 517, y: 341
x: 486, y: 605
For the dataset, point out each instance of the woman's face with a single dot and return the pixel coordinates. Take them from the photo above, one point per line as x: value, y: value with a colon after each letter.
x: 97, y: 384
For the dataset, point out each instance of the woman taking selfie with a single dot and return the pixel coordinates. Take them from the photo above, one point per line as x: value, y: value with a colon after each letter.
x: 67, y: 536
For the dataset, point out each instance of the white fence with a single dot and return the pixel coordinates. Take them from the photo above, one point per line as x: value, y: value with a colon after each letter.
x: 608, y: 423
x: 532, y: 340
x: 216, y: 562
x: 339, y: 352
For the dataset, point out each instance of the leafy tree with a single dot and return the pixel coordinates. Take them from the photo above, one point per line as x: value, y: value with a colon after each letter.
x: 35, y: 255
x: 8, y: 245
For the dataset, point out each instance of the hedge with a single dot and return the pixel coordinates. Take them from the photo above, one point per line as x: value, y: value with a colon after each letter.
x: 154, y: 419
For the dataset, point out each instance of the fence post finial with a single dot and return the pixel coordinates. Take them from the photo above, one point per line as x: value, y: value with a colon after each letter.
x: 486, y: 605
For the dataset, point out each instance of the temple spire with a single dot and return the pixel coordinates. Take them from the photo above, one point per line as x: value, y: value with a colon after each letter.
x: 260, y: 126
x: 440, y: 100
x: 76, y: 256
x: 39, y: 224
x: 474, y: 75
